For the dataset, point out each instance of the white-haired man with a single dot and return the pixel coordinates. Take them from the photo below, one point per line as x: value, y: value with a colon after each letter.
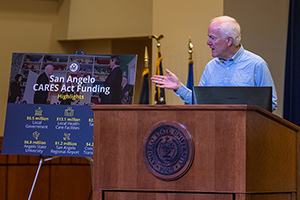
x: 41, y: 95
x: 232, y: 64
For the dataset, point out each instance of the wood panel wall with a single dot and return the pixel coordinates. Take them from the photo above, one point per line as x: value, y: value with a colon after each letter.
x: 61, y: 178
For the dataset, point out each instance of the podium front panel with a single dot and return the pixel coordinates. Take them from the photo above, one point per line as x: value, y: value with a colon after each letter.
x: 225, y: 138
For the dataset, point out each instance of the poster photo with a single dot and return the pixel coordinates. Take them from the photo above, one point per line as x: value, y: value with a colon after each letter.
x: 69, y: 79
x: 48, y: 109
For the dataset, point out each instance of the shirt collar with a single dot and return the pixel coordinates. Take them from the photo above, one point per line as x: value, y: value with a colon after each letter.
x: 115, y: 67
x: 236, y: 56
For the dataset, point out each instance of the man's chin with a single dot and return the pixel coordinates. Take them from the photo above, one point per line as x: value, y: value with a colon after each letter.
x: 213, y: 54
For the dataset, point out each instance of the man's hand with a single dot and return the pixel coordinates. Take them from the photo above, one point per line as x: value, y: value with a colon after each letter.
x: 168, y: 82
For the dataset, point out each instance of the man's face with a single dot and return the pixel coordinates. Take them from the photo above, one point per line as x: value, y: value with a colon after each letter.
x: 112, y: 63
x: 218, y: 46
x: 49, y: 70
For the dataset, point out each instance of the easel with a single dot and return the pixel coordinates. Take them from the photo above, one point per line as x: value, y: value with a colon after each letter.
x: 42, y: 159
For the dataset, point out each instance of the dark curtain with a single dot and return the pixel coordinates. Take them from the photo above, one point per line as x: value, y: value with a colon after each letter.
x: 291, y: 109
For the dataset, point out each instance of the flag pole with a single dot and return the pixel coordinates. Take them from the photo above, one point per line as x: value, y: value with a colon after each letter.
x: 157, y: 38
x: 159, y: 93
x: 190, y: 48
x: 190, y: 79
x: 146, y: 58
x: 144, y: 96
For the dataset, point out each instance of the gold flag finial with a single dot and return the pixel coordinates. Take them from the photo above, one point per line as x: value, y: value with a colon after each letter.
x: 158, y: 38
x: 190, y: 47
x: 146, y: 59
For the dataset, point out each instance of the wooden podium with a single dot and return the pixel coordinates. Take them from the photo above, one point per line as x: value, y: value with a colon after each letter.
x: 241, y: 153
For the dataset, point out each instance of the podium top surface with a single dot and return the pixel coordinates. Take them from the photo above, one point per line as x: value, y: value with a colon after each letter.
x: 180, y: 107
x: 238, y: 107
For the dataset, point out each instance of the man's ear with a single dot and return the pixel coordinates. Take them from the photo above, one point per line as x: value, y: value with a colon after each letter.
x: 230, y: 41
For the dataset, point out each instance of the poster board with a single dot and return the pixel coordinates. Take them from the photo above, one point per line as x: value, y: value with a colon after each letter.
x: 48, y: 110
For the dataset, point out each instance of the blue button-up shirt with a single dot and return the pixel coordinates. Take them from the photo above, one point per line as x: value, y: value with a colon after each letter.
x: 243, y: 69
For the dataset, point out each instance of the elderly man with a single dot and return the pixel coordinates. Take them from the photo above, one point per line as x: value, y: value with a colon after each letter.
x: 41, y: 96
x: 232, y: 64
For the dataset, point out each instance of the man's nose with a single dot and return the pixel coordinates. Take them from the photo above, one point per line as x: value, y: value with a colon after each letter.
x: 208, y: 42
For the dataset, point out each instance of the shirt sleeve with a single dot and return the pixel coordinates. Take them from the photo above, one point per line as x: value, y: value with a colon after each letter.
x: 184, y: 93
x: 263, y: 77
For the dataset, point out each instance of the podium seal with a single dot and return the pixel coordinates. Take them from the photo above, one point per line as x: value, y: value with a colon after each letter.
x: 168, y: 150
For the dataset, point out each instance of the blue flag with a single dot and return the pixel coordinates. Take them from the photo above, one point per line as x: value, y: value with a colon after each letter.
x: 190, y: 80
x: 144, y: 97
x: 291, y: 108
x: 159, y: 93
